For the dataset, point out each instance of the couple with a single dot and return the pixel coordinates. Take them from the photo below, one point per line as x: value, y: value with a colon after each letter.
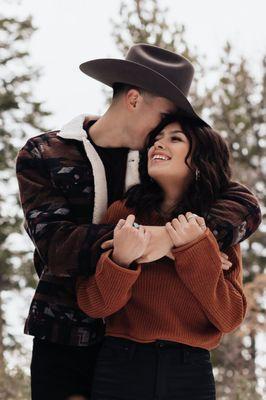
x: 132, y: 298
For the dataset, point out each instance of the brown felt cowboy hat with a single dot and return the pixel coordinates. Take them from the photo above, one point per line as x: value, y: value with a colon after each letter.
x: 151, y: 68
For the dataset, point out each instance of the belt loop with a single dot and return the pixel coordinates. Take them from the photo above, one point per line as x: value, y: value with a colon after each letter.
x: 185, y: 356
x: 160, y: 343
x: 131, y: 347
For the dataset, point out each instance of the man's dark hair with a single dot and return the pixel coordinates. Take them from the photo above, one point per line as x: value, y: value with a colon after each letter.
x: 120, y: 88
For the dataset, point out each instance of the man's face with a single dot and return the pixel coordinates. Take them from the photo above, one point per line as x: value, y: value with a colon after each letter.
x: 148, y: 114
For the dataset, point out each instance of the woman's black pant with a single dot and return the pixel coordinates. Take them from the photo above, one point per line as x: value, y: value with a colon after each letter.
x: 162, y: 370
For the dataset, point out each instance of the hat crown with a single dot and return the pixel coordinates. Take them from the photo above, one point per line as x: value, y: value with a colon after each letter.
x: 175, y: 67
x: 151, y: 68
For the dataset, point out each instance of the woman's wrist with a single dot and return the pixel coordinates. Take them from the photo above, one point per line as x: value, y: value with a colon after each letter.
x: 118, y: 260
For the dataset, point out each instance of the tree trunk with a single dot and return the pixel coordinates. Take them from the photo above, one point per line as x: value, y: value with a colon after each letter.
x: 3, y: 376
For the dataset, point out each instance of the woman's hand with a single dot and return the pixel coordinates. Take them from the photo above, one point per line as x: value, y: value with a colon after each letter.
x: 185, y: 228
x: 130, y: 243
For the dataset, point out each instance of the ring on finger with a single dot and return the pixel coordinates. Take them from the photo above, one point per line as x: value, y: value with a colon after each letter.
x: 135, y: 225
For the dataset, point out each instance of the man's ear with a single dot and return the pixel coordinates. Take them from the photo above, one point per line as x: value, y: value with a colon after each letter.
x: 132, y: 99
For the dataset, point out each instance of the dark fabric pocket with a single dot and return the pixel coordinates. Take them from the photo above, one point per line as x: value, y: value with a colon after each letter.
x: 114, y: 353
x: 197, y: 357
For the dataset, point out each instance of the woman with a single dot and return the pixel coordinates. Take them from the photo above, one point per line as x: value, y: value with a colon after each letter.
x: 163, y: 318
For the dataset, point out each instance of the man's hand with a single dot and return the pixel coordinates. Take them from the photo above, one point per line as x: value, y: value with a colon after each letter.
x: 109, y: 244
x: 226, y: 264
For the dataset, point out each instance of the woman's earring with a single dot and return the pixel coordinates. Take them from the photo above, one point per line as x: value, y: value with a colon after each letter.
x: 197, y: 174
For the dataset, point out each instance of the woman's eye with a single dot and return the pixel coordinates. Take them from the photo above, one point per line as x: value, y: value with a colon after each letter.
x: 176, y: 138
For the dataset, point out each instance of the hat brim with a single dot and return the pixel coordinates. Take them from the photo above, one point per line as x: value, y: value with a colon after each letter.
x: 110, y: 71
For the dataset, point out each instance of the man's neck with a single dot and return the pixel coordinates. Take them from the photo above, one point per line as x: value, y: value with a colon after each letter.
x: 107, y: 131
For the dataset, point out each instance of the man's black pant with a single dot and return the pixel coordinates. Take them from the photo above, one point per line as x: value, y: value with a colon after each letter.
x: 62, y: 372
x: 163, y: 370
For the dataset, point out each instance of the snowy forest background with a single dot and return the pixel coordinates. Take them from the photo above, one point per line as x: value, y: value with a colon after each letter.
x: 234, y: 100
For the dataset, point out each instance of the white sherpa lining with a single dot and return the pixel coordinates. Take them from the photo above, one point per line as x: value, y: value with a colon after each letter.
x: 74, y: 130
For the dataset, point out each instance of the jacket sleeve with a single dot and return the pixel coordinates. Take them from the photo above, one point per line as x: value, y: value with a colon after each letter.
x: 108, y: 290
x: 62, y: 244
x: 234, y: 216
x: 219, y: 292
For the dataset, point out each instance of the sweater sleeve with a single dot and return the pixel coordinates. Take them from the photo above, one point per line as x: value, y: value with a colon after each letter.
x: 219, y: 292
x: 108, y: 290
x: 114, y: 213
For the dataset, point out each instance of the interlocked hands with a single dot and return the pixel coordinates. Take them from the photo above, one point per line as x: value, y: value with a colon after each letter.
x: 147, y: 243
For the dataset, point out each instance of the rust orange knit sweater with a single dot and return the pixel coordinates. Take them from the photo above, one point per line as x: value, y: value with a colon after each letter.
x: 191, y: 300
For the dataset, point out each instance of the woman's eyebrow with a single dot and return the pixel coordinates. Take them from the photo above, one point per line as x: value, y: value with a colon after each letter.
x: 175, y: 131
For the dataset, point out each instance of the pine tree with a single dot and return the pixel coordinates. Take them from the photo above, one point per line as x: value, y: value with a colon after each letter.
x: 236, y: 106
x: 238, y: 110
x: 20, y: 117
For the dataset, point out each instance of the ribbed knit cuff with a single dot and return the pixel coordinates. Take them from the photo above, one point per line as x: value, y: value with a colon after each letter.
x: 108, y: 270
x: 198, y: 263
x: 206, y: 233
x: 198, y: 246
x: 108, y: 290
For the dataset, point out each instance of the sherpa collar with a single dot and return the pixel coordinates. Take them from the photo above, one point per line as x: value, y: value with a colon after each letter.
x: 74, y: 130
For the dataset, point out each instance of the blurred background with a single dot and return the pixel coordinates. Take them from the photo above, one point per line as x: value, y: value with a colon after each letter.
x: 42, y: 44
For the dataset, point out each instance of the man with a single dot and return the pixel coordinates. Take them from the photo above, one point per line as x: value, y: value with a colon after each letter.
x: 68, y: 178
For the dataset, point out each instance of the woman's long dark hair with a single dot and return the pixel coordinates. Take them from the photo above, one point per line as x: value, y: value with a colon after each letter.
x: 209, y: 153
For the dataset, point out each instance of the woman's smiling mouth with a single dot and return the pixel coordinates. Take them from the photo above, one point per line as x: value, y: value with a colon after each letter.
x: 159, y: 156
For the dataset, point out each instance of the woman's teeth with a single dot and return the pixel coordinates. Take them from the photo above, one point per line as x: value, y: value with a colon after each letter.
x: 159, y: 157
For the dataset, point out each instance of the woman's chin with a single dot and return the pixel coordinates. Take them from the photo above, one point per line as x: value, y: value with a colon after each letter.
x: 159, y: 170
x: 158, y: 176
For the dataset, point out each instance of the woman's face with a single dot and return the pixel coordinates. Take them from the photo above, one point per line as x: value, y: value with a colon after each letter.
x: 166, y: 158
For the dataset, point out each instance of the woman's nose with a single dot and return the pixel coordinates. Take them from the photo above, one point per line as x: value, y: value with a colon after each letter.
x: 159, y: 145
